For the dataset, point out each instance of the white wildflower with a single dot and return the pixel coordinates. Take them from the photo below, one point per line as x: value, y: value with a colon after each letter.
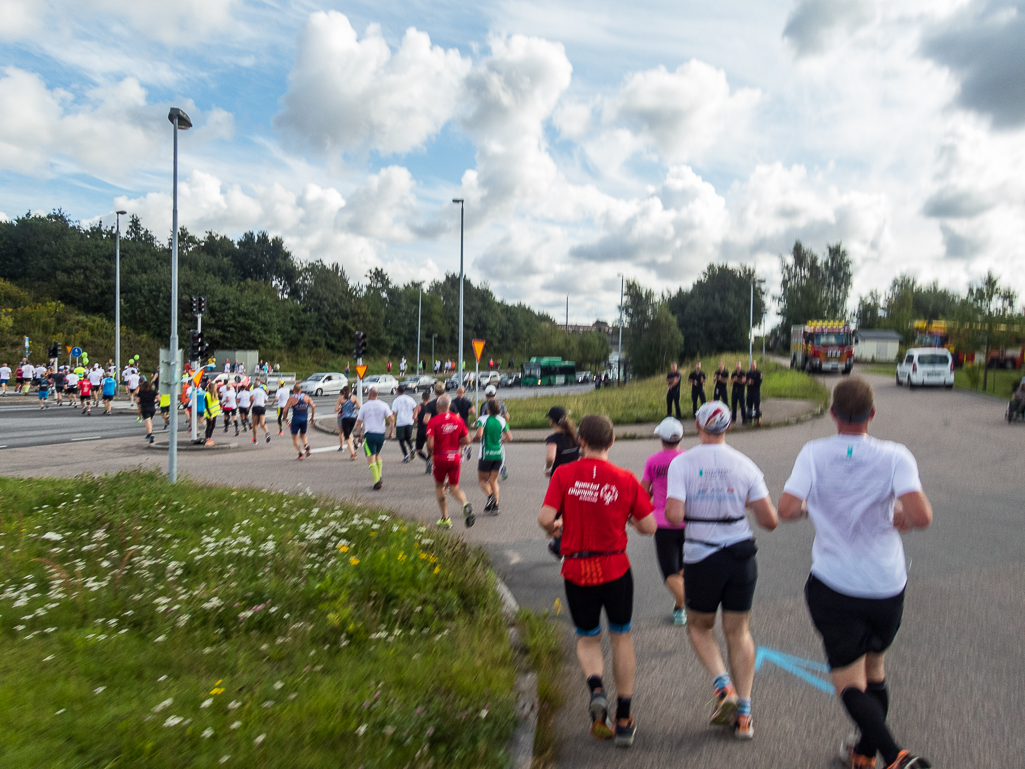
x: 173, y: 720
x: 207, y: 733
x: 53, y: 536
x: 361, y: 730
x: 207, y: 702
x: 166, y: 703
x: 235, y: 725
x: 259, y: 740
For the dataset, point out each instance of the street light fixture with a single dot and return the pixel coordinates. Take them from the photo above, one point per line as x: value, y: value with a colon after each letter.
x: 619, y: 363
x: 181, y: 122
x: 117, y: 295
x: 460, y: 202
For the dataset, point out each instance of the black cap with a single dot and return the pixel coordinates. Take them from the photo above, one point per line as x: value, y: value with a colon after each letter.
x: 556, y: 413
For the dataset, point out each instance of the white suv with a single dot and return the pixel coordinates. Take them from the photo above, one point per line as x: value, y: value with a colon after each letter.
x: 926, y: 366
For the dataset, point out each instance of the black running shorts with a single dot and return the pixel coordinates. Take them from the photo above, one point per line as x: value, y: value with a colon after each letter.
x: 586, y: 602
x: 852, y: 627
x: 489, y: 465
x: 669, y: 549
x: 421, y: 439
x: 347, y: 424
x: 721, y: 578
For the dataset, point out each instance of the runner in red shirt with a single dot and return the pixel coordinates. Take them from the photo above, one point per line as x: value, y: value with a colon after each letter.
x: 597, y: 500
x: 85, y: 389
x: 446, y: 435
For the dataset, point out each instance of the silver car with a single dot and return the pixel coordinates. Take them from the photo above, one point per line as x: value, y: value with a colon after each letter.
x: 324, y: 383
x: 385, y: 383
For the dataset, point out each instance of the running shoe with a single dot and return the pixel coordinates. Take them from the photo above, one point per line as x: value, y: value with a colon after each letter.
x: 495, y: 509
x: 444, y: 523
x: 379, y: 485
x: 505, y: 476
x: 254, y: 439
x: 428, y: 470
x: 341, y: 448
x: 852, y: 760
x: 468, y: 518
x: 405, y: 459
x: 307, y: 447
x: 679, y: 617
x: 268, y: 437
x: 490, y: 503
x: 300, y: 455
x: 907, y: 761
x: 725, y: 706
x: 208, y: 442
x: 601, y: 725
x: 236, y: 432
x: 281, y: 432
x: 625, y: 733
x: 742, y: 728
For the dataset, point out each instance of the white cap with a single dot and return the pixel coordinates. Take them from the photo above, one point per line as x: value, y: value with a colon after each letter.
x: 713, y: 417
x: 670, y: 430
x: 491, y: 390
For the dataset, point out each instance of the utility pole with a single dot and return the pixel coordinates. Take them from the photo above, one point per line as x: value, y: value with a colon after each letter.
x: 181, y: 122
x: 619, y: 364
x: 567, y: 312
x: 117, y: 297
x: 419, y: 318
x: 751, y: 327
x: 460, y: 202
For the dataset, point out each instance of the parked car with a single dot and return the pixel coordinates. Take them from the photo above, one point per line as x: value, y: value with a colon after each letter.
x: 584, y: 377
x: 490, y: 378
x: 385, y: 384
x: 926, y: 366
x: 511, y: 380
x: 419, y: 383
x: 324, y: 383
x: 452, y: 383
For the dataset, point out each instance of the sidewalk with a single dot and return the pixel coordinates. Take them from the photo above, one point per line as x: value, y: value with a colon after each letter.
x: 775, y: 413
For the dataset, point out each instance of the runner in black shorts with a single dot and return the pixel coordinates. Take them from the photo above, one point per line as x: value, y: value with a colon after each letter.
x: 860, y: 493
x: 669, y: 538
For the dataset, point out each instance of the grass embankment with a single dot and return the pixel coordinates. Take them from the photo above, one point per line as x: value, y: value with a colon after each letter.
x: 644, y: 400
x: 545, y: 654
x: 157, y: 626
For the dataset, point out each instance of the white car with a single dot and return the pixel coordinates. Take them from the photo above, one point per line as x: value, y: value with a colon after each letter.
x: 385, y: 383
x: 926, y: 366
x: 324, y: 383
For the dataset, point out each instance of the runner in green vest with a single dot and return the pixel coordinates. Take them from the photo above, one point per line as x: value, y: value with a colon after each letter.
x: 492, y: 432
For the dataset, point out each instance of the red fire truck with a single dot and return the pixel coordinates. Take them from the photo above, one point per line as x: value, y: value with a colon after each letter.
x: 822, y: 345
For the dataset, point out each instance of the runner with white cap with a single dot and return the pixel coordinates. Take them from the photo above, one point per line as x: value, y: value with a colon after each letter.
x: 669, y: 536
x: 710, y: 487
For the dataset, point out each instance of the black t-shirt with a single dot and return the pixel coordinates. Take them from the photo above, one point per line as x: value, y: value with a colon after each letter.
x: 738, y: 379
x: 754, y: 382
x: 696, y: 379
x: 428, y: 411
x: 722, y: 376
x: 566, y: 450
x: 462, y: 406
x: 58, y: 379
x: 673, y: 379
x: 147, y: 399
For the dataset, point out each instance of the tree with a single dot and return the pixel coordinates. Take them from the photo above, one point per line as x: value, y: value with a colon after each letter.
x: 869, y: 310
x: 593, y: 350
x: 714, y: 315
x: 813, y: 289
x: 651, y: 333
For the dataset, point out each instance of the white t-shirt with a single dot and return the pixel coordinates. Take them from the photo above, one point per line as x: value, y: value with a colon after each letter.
x: 95, y: 377
x: 281, y: 397
x: 373, y: 414
x: 403, y: 408
x: 715, y: 482
x: 228, y: 397
x: 71, y: 380
x: 133, y: 381
x: 850, y: 483
x: 245, y: 399
x: 41, y: 371
x: 259, y: 397
x: 5, y: 372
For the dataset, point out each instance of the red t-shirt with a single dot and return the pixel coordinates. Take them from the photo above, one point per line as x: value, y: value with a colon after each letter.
x: 595, y: 498
x: 85, y: 387
x: 447, y: 429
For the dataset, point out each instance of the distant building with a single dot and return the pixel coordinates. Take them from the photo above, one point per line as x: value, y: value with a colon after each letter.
x: 876, y: 344
x: 612, y: 332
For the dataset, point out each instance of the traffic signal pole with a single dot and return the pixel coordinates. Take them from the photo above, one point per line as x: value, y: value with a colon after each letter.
x: 194, y: 396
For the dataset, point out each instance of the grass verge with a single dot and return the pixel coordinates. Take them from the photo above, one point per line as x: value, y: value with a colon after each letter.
x: 150, y: 625
x: 544, y: 652
x: 644, y: 400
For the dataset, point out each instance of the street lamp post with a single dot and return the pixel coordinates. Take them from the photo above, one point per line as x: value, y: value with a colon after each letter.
x: 181, y: 122
x: 751, y: 327
x: 419, y: 319
x: 619, y: 364
x: 117, y: 296
x: 460, y: 202
x: 433, y: 337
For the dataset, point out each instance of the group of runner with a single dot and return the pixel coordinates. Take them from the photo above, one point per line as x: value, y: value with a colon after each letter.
x: 860, y: 494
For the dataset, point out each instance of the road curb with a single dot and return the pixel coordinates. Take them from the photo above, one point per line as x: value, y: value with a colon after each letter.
x: 187, y: 445
x: 521, y: 744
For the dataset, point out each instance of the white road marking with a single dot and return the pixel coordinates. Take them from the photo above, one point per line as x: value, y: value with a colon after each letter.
x: 88, y: 438
x: 514, y: 557
x: 325, y: 448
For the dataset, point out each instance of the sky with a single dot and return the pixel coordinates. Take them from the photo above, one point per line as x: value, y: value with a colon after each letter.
x: 588, y: 140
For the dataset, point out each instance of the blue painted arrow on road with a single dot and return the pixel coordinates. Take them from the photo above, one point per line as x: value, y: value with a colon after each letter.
x: 796, y: 666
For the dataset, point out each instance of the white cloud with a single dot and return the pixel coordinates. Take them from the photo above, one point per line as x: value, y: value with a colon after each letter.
x: 182, y: 22
x: 813, y: 24
x: 683, y: 112
x: 348, y: 94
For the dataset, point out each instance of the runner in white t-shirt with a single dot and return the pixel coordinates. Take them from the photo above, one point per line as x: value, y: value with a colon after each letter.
x: 371, y: 421
x: 860, y: 494
x: 281, y: 400
x: 132, y: 380
x: 95, y: 377
x: 229, y: 405
x: 245, y: 401
x: 259, y: 409
x: 403, y: 408
x: 71, y: 383
x: 710, y: 487
x: 5, y: 377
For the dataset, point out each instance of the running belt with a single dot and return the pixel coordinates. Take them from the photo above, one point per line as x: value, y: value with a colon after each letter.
x: 716, y: 545
x: 593, y: 553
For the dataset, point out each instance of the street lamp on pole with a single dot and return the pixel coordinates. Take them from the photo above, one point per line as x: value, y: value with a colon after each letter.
x: 181, y: 122
x: 419, y: 320
x: 622, y: 285
x: 433, y: 337
x: 117, y: 296
x: 460, y: 202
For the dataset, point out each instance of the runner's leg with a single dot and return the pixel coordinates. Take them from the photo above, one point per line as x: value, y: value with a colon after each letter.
x: 740, y: 647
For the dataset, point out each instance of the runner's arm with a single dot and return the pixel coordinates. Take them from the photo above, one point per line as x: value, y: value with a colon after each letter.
x: 551, y: 450
x: 646, y: 525
x: 912, y: 511
x: 765, y: 513
x: 548, y: 521
x: 646, y: 485
x: 791, y: 508
x: 674, y: 510
x: 507, y: 436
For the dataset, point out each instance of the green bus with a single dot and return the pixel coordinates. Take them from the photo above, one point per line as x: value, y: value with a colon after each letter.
x: 538, y: 372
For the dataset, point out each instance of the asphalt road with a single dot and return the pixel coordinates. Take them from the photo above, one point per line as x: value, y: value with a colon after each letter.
x: 955, y: 672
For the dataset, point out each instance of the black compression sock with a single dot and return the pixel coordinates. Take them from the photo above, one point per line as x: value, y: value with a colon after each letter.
x: 623, y: 708
x: 869, y: 717
x: 594, y: 683
x: 876, y: 690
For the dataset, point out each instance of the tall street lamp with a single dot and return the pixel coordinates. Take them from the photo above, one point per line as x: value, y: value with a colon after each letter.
x: 622, y: 285
x: 181, y: 122
x: 460, y: 202
x: 117, y: 297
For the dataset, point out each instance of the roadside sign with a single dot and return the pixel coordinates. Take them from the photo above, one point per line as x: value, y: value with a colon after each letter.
x: 68, y: 348
x: 76, y: 352
x: 478, y: 348
x: 361, y: 371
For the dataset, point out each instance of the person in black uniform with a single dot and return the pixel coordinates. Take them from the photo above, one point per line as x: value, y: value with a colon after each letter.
x: 673, y: 391
x: 697, y: 386
x: 754, y: 392
x: 721, y: 379
x: 739, y: 379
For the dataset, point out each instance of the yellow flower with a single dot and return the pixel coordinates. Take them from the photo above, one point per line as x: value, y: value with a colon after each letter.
x: 217, y: 690
x: 344, y: 548
x: 354, y: 560
x: 437, y: 569
x: 423, y: 556
x: 373, y: 534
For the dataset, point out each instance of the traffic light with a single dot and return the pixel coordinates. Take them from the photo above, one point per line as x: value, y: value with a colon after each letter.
x: 197, y: 348
x: 202, y: 305
x: 361, y: 345
x: 194, y: 306
x: 55, y: 350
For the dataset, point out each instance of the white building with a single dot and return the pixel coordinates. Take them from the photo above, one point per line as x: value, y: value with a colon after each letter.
x: 876, y: 345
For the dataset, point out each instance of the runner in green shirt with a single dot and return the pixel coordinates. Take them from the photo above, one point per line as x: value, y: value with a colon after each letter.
x: 492, y: 432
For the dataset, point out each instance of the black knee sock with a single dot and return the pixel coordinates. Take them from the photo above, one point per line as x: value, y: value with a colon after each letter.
x: 623, y: 708
x: 876, y: 690
x: 868, y: 715
x: 594, y: 683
